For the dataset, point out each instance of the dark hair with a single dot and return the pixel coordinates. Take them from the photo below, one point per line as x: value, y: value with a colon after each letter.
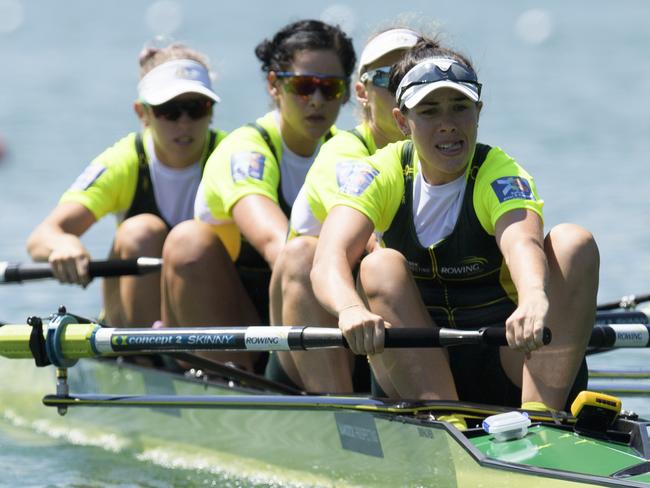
x: 423, y: 49
x: 277, y: 54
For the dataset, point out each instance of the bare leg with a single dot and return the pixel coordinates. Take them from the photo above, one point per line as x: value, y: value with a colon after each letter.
x: 201, y: 286
x: 573, y: 261
x: 318, y: 371
x: 135, y: 300
x: 392, y: 293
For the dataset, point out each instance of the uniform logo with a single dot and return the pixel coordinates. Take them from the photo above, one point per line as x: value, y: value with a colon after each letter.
x: 247, y: 164
x: 419, y: 269
x: 466, y: 267
x: 187, y: 73
x: 512, y: 188
x: 88, y: 177
x: 353, y: 177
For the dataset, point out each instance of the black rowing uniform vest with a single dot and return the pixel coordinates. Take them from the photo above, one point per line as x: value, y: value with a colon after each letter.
x: 248, y: 255
x: 461, y: 277
x: 144, y: 199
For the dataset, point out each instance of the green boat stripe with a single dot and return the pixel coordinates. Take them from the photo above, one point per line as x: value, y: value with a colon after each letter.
x: 286, y: 401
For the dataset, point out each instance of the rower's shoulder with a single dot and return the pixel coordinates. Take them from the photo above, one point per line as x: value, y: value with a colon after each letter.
x: 121, y: 153
x: 499, y: 163
x: 248, y: 138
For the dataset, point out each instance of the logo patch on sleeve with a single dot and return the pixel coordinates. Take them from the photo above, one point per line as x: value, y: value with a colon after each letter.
x: 512, y: 188
x: 247, y: 164
x: 353, y: 177
x: 88, y: 177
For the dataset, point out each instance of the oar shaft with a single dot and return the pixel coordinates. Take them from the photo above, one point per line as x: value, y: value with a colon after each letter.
x: 71, y: 341
x: 108, y: 340
x: 628, y: 301
x: 17, y: 272
x: 620, y: 336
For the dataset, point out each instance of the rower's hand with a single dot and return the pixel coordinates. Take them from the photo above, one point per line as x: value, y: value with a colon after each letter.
x: 525, y: 327
x: 363, y: 330
x: 69, y: 262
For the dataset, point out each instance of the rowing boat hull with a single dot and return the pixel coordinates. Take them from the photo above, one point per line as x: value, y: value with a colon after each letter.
x: 294, y: 440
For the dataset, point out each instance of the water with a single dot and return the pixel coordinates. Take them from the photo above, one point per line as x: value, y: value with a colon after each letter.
x: 565, y: 93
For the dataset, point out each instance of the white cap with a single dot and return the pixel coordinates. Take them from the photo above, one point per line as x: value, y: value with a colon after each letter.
x: 435, y: 73
x: 386, y: 42
x: 174, y: 78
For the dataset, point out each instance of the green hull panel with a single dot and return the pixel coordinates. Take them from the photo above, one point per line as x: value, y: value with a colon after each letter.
x: 314, y: 447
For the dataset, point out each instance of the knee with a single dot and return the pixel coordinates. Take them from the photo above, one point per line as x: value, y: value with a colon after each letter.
x: 383, y: 273
x: 296, y: 260
x: 573, y: 248
x: 141, y: 235
x: 191, y: 247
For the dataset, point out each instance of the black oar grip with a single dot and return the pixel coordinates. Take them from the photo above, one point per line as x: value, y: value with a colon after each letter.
x: 496, y: 336
x: 437, y: 337
x: 421, y: 337
x: 18, y: 272
x: 113, y: 268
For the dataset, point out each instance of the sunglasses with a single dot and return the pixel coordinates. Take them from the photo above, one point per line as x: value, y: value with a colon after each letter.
x: 332, y: 87
x: 378, y: 77
x: 196, y: 109
x: 430, y: 72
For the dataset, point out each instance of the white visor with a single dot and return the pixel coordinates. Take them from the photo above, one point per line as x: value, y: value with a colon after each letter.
x: 174, y: 78
x: 386, y: 42
x: 435, y: 73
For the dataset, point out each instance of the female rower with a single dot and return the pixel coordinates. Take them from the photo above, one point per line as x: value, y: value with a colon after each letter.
x: 462, y: 226
x: 148, y: 180
x: 218, y: 267
x: 293, y: 301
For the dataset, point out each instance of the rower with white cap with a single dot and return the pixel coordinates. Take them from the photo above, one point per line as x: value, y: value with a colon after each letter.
x: 148, y: 180
x: 293, y: 301
x: 463, y: 246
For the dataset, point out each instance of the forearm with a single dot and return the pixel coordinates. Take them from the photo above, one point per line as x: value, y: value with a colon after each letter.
x: 262, y: 224
x: 47, y: 238
x: 528, y: 267
x: 333, y: 283
x: 520, y: 236
x: 271, y: 247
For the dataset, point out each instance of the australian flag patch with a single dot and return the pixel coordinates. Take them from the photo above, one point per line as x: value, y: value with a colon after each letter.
x: 512, y: 188
x: 353, y: 177
x: 247, y: 164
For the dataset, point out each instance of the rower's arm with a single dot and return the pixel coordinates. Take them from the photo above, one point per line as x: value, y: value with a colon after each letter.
x: 520, y: 236
x: 56, y: 240
x: 343, y: 238
x: 263, y: 224
x: 341, y: 243
x: 61, y: 229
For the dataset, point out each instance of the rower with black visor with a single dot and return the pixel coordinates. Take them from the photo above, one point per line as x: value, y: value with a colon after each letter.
x: 148, y: 180
x: 462, y: 246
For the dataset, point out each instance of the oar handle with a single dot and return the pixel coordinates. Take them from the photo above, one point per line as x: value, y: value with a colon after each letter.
x: 124, y: 267
x: 443, y: 337
x: 18, y: 272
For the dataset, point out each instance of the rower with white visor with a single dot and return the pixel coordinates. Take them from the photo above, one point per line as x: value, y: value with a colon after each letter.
x: 463, y: 246
x: 148, y: 180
